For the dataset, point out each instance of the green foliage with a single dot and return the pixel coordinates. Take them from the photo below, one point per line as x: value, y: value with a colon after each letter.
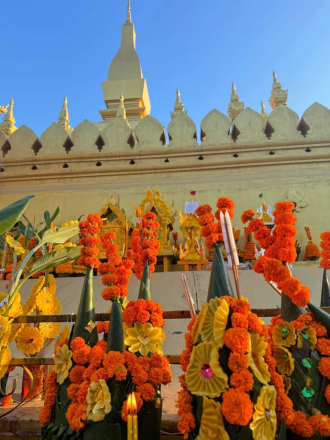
x: 61, y: 235
x: 116, y: 336
x: 53, y: 259
x: 10, y: 215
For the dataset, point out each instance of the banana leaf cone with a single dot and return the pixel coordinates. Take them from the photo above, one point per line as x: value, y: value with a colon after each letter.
x: 320, y: 315
x: 289, y: 311
x: 282, y: 431
x: 219, y: 280
x: 86, y: 312
x: 325, y: 292
x: 145, y: 288
x: 116, y: 333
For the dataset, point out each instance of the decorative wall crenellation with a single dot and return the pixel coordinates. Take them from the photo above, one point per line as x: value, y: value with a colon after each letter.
x: 282, y: 125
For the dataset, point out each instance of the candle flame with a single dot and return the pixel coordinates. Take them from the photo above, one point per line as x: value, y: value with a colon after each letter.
x: 131, y: 404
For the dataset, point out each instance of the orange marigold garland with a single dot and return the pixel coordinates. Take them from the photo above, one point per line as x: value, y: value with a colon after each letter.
x: 88, y: 231
x: 325, y: 253
x: 145, y: 244
x: 279, y: 251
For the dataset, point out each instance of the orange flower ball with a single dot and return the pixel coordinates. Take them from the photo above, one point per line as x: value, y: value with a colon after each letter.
x: 203, y: 209
x: 247, y: 215
x: 255, y: 224
x: 147, y: 391
x: 237, y: 407
x: 77, y: 343
x: 324, y: 367
x: 224, y: 202
x: 243, y: 380
x: 237, y: 340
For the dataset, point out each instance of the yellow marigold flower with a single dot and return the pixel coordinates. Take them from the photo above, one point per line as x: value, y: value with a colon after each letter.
x: 3, y: 302
x: 15, y: 245
x: 284, y: 334
x: 5, y: 358
x: 46, y: 302
x: 256, y: 355
x: 284, y: 360
x: 63, y: 363
x: 98, y: 400
x: 51, y: 284
x: 264, y: 423
x: 38, y: 286
x: 50, y: 329
x: 16, y: 308
x: 29, y: 305
x: 144, y: 338
x: 212, y: 426
x: 30, y: 340
x: 204, y: 376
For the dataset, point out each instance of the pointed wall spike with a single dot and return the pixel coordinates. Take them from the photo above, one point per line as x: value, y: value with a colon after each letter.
x: 325, y: 292
x: 145, y: 288
x: 219, y: 280
x: 129, y: 16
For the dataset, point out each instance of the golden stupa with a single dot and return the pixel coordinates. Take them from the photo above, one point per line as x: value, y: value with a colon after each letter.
x: 193, y: 249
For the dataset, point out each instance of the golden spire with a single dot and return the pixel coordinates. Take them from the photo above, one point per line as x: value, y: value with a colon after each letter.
x: 63, y: 117
x: 278, y: 96
x: 3, y: 109
x: 121, y: 112
x: 178, y: 106
x: 129, y: 17
x: 8, y: 124
x: 235, y: 107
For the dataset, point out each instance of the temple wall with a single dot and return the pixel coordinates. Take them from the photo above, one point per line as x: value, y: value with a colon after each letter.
x: 284, y: 159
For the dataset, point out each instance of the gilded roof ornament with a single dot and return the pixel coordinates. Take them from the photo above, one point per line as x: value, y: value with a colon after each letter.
x: 129, y: 16
x: 63, y: 117
x: 3, y: 109
x: 235, y: 107
x: 8, y: 124
x: 278, y: 96
x: 178, y: 106
x: 121, y: 112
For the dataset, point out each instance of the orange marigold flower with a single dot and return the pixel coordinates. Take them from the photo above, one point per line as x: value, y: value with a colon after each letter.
x: 223, y: 210
x: 247, y: 215
x: 302, y: 298
x: 262, y: 233
x: 185, y: 359
x: 167, y: 377
x: 255, y: 224
x: 290, y: 286
x: 259, y: 265
x: 72, y: 391
x: 90, y: 251
x: 319, y: 328
x: 211, y: 240
x: 209, y: 229
x: 51, y: 379
x: 243, y: 379
x: 82, y: 392
x: 288, y: 255
x: 205, y: 219
x: 327, y: 394
x: 325, y: 236
x: 325, y: 264
x: 90, y: 370
x: 45, y: 415
x: 147, y: 391
x: 91, y: 261
x: 241, y: 306
x: 229, y: 300
x: 144, y: 362
x: 324, y: 367
x: 192, y: 321
x: 129, y: 315
x: 81, y: 356
x: 237, y: 339
x: 284, y: 206
x: 323, y: 346
x: 224, y: 202
x: 255, y: 323
x: 143, y: 316
x: 76, y: 374
x: 237, y: 407
x: 157, y: 320
x: 325, y: 254
x: 297, y: 423
x: 237, y: 362
x: 77, y: 343
x: 120, y: 372
x: 284, y: 231
x: 109, y: 279
x: 110, y: 292
x: 285, y: 219
x: 155, y: 376
x: 156, y: 360
x: 102, y: 345
x: 186, y: 424
x: 203, y: 209
x: 239, y: 320
x: 95, y: 219
x: 50, y: 398
x: 268, y: 241
x: 130, y: 359
x: 102, y: 326
x: 96, y: 357
x: 76, y: 415
x: 189, y: 342
x: 321, y: 424
x: 92, y: 241
x: 139, y: 375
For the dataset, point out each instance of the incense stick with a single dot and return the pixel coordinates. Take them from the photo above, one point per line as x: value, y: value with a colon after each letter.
x: 188, y: 296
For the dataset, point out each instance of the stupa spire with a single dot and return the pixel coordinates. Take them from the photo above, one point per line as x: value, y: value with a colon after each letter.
x: 121, y: 112
x: 63, y: 117
x: 129, y: 16
x: 278, y: 96
x: 235, y: 107
x: 178, y: 106
x: 264, y: 114
x: 8, y: 124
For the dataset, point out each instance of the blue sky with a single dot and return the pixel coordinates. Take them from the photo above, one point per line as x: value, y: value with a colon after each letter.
x: 55, y: 48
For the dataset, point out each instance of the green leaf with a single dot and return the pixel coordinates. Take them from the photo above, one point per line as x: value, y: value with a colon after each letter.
x: 145, y: 289
x: 11, y: 214
x: 320, y: 315
x: 61, y: 235
x: 282, y: 432
x: 53, y: 217
x: 86, y: 311
x: 54, y: 259
x: 47, y: 217
x: 115, y: 335
x: 219, y: 280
